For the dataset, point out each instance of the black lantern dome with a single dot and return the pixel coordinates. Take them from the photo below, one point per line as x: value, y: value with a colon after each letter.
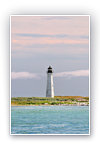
x: 49, y: 70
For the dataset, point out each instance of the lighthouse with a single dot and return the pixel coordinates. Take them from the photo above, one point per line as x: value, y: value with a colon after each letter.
x: 50, y: 87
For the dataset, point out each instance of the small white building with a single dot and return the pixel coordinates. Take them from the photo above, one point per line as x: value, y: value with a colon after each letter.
x: 50, y: 86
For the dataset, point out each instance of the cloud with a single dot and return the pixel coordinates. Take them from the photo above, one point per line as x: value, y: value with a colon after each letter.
x: 28, y: 75
x: 23, y: 75
x: 72, y: 25
x: 34, y: 35
x: 27, y: 41
x: 76, y: 73
x: 42, y: 35
x: 84, y: 37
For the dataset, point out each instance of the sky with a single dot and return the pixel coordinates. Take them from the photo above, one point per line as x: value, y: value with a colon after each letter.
x: 59, y: 41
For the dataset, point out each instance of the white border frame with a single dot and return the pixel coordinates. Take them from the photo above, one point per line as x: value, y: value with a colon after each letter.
x: 89, y: 76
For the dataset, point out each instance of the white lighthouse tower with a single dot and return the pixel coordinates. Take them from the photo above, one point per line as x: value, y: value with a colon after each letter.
x: 50, y: 87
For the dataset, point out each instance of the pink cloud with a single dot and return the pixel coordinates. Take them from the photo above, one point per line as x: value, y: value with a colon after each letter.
x: 27, y: 41
x: 77, y: 25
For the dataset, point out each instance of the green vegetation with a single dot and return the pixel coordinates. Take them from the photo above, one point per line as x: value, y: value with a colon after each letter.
x: 57, y: 100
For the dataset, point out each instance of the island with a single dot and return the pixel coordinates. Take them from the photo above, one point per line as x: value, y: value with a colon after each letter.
x: 57, y: 100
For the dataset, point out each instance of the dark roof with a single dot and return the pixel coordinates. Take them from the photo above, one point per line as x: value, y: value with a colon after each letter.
x: 49, y: 70
x: 49, y: 67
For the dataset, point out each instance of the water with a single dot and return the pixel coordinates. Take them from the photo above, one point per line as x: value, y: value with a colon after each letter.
x: 49, y: 120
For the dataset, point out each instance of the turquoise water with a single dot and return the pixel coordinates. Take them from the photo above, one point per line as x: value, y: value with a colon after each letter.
x: 49, y: 120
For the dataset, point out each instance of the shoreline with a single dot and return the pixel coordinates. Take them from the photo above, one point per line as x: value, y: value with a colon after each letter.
x: 55, y: 105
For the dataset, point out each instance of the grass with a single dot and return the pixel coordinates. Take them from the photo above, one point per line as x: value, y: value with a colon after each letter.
x: 57, y: 100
